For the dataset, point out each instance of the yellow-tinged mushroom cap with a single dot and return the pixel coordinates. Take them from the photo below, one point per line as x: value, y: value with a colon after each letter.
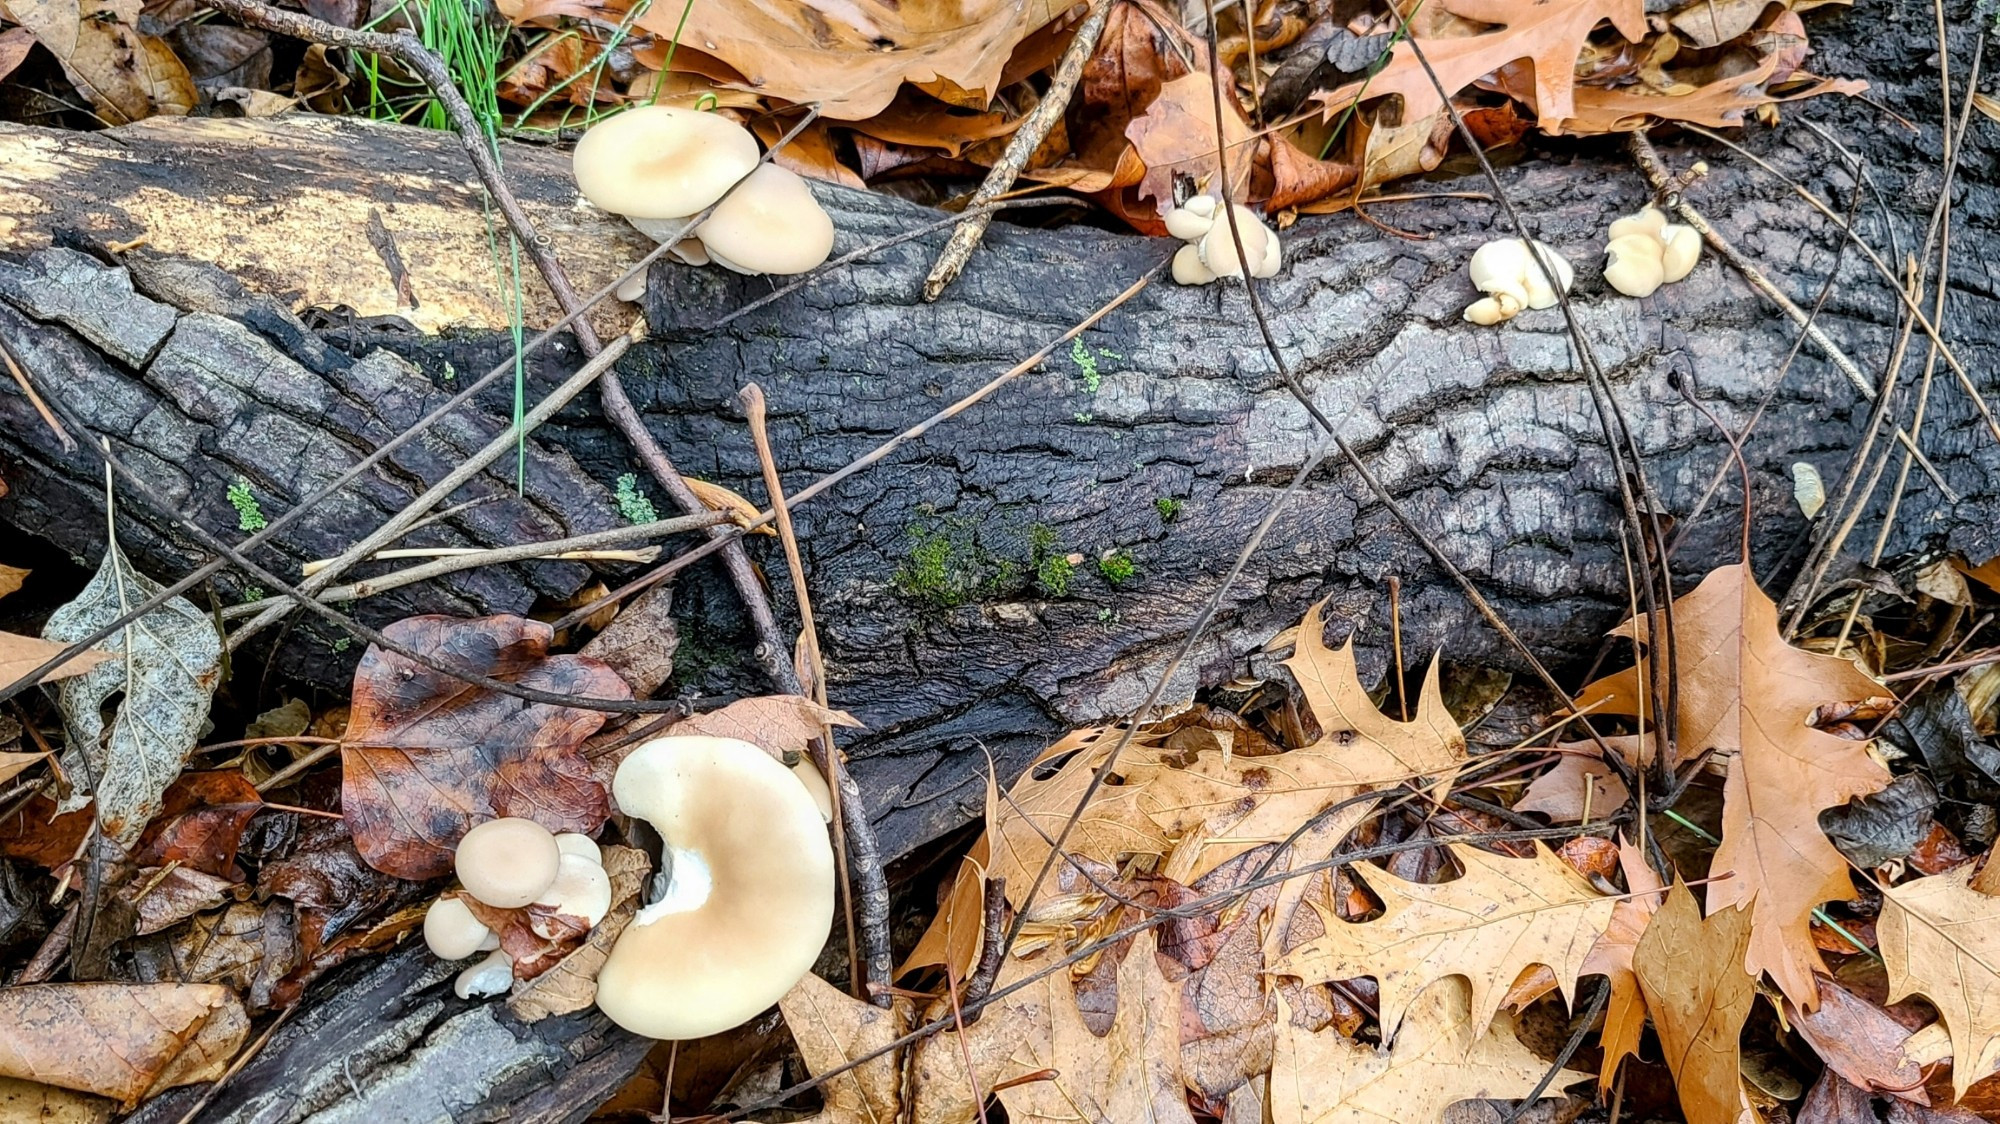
x: 658, y: 162
x: 772, y: 224
x: 507, y: 862
x: 749, y: 899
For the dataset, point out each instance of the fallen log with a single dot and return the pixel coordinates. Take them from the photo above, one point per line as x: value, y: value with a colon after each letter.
x: 1163, y: 435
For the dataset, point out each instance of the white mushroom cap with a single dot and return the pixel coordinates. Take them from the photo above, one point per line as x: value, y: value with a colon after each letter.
x: 1218, y: 246
x: 581, y: 890
x: 1647, y: 220
x: 658, y: 162
x: 1540, y: 294
x: 688, y: 250
x: 1501, y: 266
x: 749, y: 902
x: 1504, y: 265
x: 452, y: 932
x: 490, y: 976
x: 1274, y: 257
x: 1682, y: 249
x: 1189, y: 269
x: 1192, y: 219
x: 581, y: 845
x: 815, y: 782
x: 507, y: 862
x: 632, y: 288
x: 1634, y: 267
x: 1493, y: 309
x: 772, y: 224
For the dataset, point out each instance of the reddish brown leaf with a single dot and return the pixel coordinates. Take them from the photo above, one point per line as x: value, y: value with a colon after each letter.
x: 34, y: 833
x: 426, y: 756
x: 1298, y: 177
x: 330, y: 883
x: 201, y: 822
x: 1860, y: 1041
x: 1176, y: 135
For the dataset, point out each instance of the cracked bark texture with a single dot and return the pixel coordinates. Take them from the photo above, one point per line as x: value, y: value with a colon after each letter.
x: 1488, y: 436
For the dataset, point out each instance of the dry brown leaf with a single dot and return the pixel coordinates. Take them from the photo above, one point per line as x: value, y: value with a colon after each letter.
x: 1132, y: 1073
x: 958, y: 931
x: 1744, y: 691
x: 1372, y: 747
x: 1503, y: 916
x: 571, y: 985
x: 1625, y: 1012
x: 119, y: 1040
x: 1549, y: 35
x: 1176, y: 135
x: 1692, y: 974
x: 1441, y: 1057
x: 20, y: 655
x: 11, y: 577
x: 777, y: 723
x: 126, y: 75
x: 29, y: 1102
x: 832, y: 1028
x: 13, y: 764
x: 1941, y: 939
x: 1860, y: 1041
x: 1719, y: 95
x: 852, y: 56
x: 1581, y: 783
x: 165, y: 895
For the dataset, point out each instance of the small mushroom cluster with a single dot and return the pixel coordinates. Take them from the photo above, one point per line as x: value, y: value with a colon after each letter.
x: 743, y: 901
x: 513, y: 863
x: 1211, y: 248
x: 658, y: 165
x: 1507, y: 272
x: 1646, y: 251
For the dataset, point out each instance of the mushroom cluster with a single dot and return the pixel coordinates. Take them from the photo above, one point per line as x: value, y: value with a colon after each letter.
x: 513, y: 863
x: 1506, y: 271
x: 744, y: 899
x: 658, y: 165
x: 1646, y: 251
x: 1211, y: 248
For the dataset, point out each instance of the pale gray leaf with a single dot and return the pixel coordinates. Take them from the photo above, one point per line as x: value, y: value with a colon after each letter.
x: 155, y: 692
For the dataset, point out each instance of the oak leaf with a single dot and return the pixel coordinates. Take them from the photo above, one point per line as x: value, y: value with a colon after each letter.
x: 852, y: 56
x: 1745, y: 692
x: 125, y: 74
x: 1503, y: 916
x: 1441, y: 1056
x: 427, y: 755
x: 832, y: 1029
x: 1941, y: 939
x: 1176, y: 135
x: 1549, y: 35
x: 1692, y: 974
x: 1132, y: 1073
x: 1612, y: 958
x: 1372, y: 747
x: 119, y: 1040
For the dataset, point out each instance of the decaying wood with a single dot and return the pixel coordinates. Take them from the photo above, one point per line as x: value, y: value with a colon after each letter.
x: 936, y: 630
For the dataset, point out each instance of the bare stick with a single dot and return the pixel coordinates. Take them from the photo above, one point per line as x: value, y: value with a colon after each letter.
x: 1026, y: 139
x: 859, y: 855
x: 453, y: 563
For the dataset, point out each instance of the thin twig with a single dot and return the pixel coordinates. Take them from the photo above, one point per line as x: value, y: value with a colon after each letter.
x: 868, y: 950
x: 1020, y: 147
x: 453, y: 563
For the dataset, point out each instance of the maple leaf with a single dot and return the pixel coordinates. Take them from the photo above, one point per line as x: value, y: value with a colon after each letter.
x: 1441, y: 1056
x: 1503, y: 916
x: 1131, y: 1073
x: 1941, y: 939
x: 1692, y: 974
x: 1744, y: 691
x: 1549, y: 35
x: 832, y: 1029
